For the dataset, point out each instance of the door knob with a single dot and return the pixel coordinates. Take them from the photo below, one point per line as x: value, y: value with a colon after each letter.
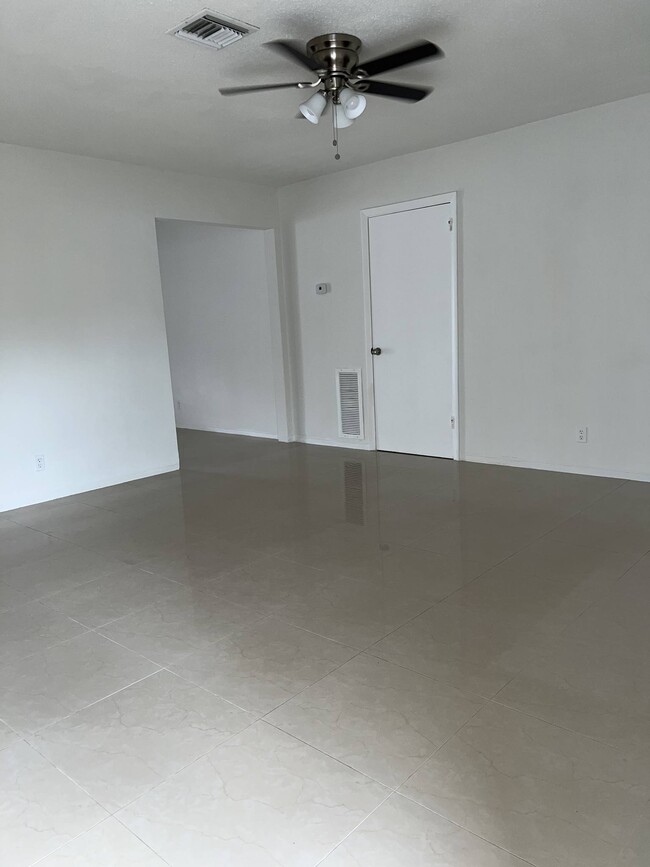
x: 375, y: 350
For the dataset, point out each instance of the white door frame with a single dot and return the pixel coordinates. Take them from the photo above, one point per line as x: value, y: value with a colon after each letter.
x: 396, y: 208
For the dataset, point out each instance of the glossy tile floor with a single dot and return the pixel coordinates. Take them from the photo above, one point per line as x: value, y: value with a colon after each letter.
x: 292, y: 655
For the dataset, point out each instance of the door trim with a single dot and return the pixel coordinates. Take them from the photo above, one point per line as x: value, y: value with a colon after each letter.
x: 369, y: 389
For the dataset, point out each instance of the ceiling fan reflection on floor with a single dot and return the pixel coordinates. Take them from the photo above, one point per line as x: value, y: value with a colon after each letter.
x: 342, y: 80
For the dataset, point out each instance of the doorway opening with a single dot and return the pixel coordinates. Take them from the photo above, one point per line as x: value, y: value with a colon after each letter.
x: 221, y: 304
x: 411, y: 326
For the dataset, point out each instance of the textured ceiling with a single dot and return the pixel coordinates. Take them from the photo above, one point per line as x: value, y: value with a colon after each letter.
x: 103, y: 78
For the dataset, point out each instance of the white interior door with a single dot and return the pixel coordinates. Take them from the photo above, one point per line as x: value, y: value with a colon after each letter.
x: 411, y: 282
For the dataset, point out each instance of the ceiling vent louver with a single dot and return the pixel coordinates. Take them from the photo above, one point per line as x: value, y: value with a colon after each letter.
x: 211, y: 29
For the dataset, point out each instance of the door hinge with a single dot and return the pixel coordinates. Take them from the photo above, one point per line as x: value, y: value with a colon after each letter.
x: 453, y: 423
x: 451, y: 224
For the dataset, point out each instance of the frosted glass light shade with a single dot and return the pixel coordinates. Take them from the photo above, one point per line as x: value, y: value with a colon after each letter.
x: 313, y: 107
x: 342, y: 120
x: 353, y: 103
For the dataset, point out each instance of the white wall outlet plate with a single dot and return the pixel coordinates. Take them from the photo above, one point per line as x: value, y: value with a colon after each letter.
x: 582, y: 434
x: 322, y: 288
x: 40, y: 463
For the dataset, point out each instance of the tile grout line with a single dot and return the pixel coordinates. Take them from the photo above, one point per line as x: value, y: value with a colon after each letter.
x: 358, y: 825
x: 413, y: 800
x: 76, y: 836
x: 90, y: 704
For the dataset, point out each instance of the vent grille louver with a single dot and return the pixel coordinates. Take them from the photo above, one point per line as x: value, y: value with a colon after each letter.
x: 348, y: 386
x: 213, y: 30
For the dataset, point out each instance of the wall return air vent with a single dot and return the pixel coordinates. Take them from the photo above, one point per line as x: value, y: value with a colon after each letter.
x: 348, y: 389
x: 212, y: 29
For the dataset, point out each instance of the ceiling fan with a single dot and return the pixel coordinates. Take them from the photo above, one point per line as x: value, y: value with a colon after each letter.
x: 342, y: 80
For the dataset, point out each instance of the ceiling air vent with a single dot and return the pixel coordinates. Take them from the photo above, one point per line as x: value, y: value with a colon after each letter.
x: 348, y: 385
x: 215, y: 31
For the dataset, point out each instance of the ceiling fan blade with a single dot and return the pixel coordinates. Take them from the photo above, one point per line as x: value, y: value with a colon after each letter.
x: 396, y: 91
x: 412, y: 54
x: 252, y: 88
x: 294, y: 52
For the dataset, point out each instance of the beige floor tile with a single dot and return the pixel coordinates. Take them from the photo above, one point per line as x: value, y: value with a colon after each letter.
x: 108, y: 844
x: 371, y: 604
x: 199, y: 560
x: 20, y: 545
x: 263, y: 665
x: 590, y: 688
x: 344, y: 549
x: 8, y: 737
x: 269, y: 584
x: 32, y: 628
x: 598, y: 530
x: 187, y: 622
x: 270, y: 533
x: 59, y: 572
x: 545, y: 586
x: 469, y: 650
x: 126, y: 744
x: 548, y: 795
x: 376, y: 717
x: 354, y: 612
x: 415, y: 572
x: 10, y: 599
x: 620, y: 619
x: 479, y: 538
x: 260, y: 800
x: 401, y: 833
x: 55, y: 515
x: 98, y: 602
x: 49, y: 685
x: 123, y: 498
x: 41, y: 808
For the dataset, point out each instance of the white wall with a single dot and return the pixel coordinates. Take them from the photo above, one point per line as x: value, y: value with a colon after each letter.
x: 84, y: 373
x: 554, y: 285
x: 216, y: 298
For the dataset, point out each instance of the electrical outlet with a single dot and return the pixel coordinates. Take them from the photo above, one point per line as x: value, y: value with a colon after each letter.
x: 40, y: 463
x: 582, y: 434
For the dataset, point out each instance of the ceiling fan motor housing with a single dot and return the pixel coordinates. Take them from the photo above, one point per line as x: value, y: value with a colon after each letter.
x: 337, y: 54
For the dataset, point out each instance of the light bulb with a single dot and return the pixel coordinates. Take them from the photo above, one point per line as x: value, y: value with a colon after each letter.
x: 313, y: 107
x: 354, y: 104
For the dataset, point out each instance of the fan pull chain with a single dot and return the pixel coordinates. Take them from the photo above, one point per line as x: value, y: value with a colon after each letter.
x: 335, y: 132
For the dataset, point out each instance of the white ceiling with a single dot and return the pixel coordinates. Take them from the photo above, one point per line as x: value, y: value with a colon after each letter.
x: 104, y: 79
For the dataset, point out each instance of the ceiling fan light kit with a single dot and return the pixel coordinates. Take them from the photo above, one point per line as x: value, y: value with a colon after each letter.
x: 342, y: 80
x: 313, y: 108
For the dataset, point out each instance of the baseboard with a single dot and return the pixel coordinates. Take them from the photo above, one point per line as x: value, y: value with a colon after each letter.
x: 351, y: 444
x: 223, y: 430
x: 605, y: 472
x: 104, y: 482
